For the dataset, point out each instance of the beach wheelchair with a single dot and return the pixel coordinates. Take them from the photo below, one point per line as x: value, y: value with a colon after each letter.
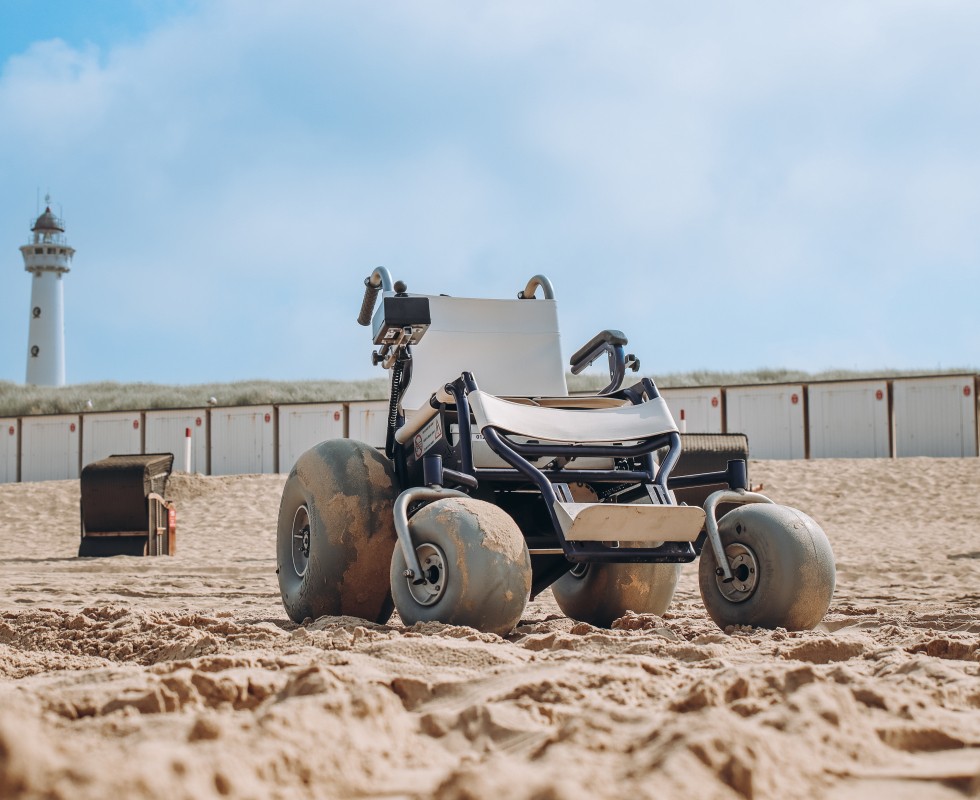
x: 495, y: 484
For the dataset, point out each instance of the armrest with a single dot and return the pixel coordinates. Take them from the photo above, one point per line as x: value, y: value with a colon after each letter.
x: 611, y: 343
x: 601, y: 343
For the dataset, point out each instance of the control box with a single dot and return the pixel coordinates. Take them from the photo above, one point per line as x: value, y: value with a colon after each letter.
x: 398, y: 313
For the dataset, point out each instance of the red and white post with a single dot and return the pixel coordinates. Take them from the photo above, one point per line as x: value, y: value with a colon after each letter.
x: 187, y: 450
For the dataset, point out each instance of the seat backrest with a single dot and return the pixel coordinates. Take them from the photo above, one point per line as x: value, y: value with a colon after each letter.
x: 512, y: 347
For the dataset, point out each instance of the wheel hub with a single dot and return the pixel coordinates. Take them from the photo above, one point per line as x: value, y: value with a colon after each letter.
x: 745, y: 573
x: 301, y: 540
x: 433, y: 586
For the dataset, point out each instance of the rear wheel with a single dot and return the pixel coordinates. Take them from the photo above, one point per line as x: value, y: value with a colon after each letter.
x: 782, y: 565
x: 602, y: 593
x: 336, y: 533
x: 477, y: 571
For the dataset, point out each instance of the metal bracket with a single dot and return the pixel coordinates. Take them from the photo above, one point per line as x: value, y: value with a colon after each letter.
x: 405, y: 499
x: 658, y: 495
x: 740, y: 496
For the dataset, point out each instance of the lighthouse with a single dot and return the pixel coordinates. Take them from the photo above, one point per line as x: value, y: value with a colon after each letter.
x: 47, y: 257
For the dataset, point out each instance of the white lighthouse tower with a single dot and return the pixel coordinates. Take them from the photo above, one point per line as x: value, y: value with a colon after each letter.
x: 47, y: 257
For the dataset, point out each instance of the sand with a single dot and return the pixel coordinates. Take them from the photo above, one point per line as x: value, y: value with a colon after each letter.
x: 182, y: 677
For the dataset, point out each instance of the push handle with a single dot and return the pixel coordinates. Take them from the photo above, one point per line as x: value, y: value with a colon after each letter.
x: 367, y: 304
x: 377, y: 281
x: 532, y: 286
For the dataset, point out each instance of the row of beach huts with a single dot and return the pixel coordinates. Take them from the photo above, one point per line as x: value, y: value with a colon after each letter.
x: 876, y: 418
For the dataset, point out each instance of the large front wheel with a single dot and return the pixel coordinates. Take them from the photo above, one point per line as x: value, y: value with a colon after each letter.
x: 782, y: 566
x: 477, y: 570
x: 336, y: 533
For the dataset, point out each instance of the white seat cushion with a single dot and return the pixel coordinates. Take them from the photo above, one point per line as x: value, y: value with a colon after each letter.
x: 415, y: 420
x: 598, y: 426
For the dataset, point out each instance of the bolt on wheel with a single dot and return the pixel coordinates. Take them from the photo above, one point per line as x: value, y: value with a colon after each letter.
x: 432, y: 588
x: 745, y: 573
x: 301, y: 540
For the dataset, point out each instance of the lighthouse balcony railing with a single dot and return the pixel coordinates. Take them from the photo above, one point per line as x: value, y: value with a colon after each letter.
x: 48, y: 238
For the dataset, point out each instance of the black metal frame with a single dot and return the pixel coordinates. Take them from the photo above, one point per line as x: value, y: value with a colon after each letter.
x: 525, y: 491
x: 628, y: 474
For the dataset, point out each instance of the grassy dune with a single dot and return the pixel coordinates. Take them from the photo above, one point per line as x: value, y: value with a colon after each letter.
x: 19, y: 400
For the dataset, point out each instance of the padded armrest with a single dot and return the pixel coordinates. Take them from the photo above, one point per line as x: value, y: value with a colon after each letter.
x: 612, y: 344
x: 599, y: 344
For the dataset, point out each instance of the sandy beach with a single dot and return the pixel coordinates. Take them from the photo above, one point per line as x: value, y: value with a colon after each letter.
x: 183, y: 678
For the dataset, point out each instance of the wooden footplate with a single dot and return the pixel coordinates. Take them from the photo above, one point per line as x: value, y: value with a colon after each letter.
x: 614, y: 522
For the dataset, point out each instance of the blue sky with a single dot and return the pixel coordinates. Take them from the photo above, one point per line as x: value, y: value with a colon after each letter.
x: 774, y: 184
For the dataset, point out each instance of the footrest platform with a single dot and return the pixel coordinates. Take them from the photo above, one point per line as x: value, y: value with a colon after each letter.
x: 629, y: 522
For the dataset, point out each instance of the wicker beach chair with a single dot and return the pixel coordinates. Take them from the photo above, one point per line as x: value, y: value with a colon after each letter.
x: 123, y: 510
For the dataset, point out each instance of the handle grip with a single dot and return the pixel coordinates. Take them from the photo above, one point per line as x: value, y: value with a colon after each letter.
x: 371, y: 293
x: 377, y: 281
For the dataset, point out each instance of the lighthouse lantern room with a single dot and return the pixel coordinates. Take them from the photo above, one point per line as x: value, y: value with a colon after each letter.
x: 47, y: 257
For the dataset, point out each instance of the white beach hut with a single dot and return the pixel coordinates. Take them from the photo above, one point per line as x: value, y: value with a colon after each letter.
x: 772, y: 416
x: 110, y: 433
x: 302, y: 426
x: 50, y: 447
x: 935, y: 416
x: 849, y: 419
x: 9, y: 441
x: 367, y: 422
x: 698, y: 407
x: 243, y: 440
x: 165, y: 431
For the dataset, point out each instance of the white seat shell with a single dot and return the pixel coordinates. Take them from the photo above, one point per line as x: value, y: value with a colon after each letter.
x: 627, y: 423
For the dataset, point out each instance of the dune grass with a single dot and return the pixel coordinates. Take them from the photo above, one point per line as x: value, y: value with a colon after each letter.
x: 762, y: 376
x: 18, y: 400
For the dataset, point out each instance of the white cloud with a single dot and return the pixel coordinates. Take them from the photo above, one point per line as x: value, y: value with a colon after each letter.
x: 249, y: 162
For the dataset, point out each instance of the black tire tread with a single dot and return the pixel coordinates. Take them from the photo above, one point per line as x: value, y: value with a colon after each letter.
x: 349, y: 490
